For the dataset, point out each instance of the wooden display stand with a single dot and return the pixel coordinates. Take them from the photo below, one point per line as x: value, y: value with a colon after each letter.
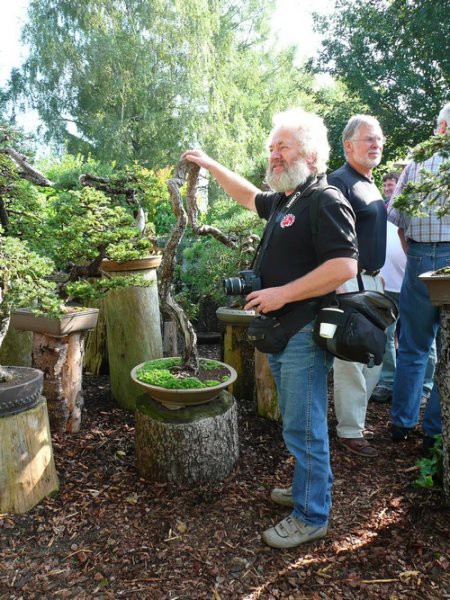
x: 133, y: 326
x: 237, y: 351
x: 16, y: 348
x: 61, y: 360
x: 193, y: 444
x: 27, y: 468
x: 95, y: 348
x: 266, y: 391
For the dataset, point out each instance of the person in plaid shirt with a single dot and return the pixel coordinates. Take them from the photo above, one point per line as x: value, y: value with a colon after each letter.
x: 426, y: 241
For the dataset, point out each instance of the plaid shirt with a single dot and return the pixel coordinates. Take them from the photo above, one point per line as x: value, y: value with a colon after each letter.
x: 427, y: 229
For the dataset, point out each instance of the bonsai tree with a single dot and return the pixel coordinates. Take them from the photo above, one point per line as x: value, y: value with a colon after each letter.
x: 185, y: 214
x: 23, y: 283
x: 78, y: 219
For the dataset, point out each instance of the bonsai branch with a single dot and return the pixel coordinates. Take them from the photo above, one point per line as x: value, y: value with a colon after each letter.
x: 90, y: 270
x: 192, y: 211
x: 26, y: 171
x: 117, y: 188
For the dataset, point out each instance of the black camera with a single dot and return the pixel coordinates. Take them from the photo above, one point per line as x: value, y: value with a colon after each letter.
x: 244, y: 284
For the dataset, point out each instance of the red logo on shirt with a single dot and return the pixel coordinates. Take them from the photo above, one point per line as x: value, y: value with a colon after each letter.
x: 287, y: 221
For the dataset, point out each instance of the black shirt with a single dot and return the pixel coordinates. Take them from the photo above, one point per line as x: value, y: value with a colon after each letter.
x: 290, y: 253
x: 370, y: 212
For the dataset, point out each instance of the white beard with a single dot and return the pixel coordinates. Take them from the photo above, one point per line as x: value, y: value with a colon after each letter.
x: 292, y: 176
x: 370, y: 163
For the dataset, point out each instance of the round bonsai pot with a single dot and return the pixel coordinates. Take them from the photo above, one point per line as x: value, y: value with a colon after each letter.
x: 21, y: 392
x: 180, y: 398
x: 438, y: 286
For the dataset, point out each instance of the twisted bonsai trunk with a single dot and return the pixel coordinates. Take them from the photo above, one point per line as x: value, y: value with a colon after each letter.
x: 184, y: 171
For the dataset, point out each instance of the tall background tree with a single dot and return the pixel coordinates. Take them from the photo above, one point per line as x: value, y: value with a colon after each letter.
x: 395, y: 55
x: 144, y: 79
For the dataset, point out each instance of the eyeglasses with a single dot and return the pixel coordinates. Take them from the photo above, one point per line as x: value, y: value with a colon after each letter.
x: 372, y: 139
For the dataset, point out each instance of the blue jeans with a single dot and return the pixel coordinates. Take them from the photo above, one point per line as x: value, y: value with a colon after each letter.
x: 300, y: 372
x: 419, y: 327
x: 390, y: 356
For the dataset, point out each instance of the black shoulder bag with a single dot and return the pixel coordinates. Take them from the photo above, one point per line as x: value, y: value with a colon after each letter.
x: 359, y: 319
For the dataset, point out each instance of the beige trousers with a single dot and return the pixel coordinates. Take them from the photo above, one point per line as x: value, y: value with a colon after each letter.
x: 354, y: 382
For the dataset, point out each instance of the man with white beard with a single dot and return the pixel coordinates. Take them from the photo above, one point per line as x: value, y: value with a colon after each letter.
x: 293, y: 280
x: 354, y: 383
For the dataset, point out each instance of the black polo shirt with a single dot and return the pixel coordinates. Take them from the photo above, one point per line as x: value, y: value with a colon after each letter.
x: 368, y: 205
x: 290, y: 253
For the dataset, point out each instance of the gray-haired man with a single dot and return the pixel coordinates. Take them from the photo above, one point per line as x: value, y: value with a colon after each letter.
x: 354, y: 383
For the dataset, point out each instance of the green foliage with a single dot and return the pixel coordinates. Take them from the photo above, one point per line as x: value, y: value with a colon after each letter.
x: 159, y: 372
x: 24, y: 279
x: 208, y: 261
x: 336, y: 104
x: 432, y: 468
x: 395, y: 56
x: 94, y: 289
x: 433, y: 189
x: 79, y: 225
x: 141, y: 80
x: 153, y: 195
x: 148, y: 187
x: 145, y: 80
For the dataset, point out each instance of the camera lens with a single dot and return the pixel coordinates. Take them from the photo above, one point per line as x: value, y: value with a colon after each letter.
x: 233, y: 286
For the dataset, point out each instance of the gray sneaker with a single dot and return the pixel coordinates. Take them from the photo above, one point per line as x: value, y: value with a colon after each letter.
x: 282, y: 496
x: 381, y: 394
x: 291, y: 532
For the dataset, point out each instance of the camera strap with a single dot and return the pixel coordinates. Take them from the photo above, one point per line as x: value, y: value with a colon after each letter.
x: 277, y: 215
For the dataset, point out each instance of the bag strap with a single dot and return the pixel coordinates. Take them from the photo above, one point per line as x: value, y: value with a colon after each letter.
x: 314, y: 206
x: 272, y: 222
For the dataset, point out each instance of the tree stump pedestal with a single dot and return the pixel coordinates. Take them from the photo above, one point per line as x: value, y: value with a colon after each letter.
x: 61, y: 360
x: 266, y: 390
x: 16, y: 348
x: 133, y: 326
x: 237, y: 351
x: 192, y: 444
x: 255, y: 380
x: 27, y: 468
x: 443, y: 381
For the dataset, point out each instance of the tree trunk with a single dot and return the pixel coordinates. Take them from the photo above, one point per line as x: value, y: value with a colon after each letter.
x: 96, y: 347
x: 133, y: 333
x: 443, y: 381
x: 239, y: 353
x: 266, y: 391
x: 27, y: 468
x: 170, y: 339
x: 193, y: 444
x: 61, y: 360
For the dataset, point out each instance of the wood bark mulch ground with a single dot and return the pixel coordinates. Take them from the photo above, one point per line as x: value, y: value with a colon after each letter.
x: 110, y: 534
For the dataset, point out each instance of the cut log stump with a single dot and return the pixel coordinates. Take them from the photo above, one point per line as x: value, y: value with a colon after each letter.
x: 96, y: 348
x: 193, y: 444
x: 16, y: 348
x: 61, y: 360
x: 442, y: 379
x: 239, y: 353
x: 133, y: 334
x: 266, y: 391
x: 27, y: 468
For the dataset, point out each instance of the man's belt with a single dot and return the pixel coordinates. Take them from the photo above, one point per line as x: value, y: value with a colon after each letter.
x: 443, y: 243
x: 369, y: 273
